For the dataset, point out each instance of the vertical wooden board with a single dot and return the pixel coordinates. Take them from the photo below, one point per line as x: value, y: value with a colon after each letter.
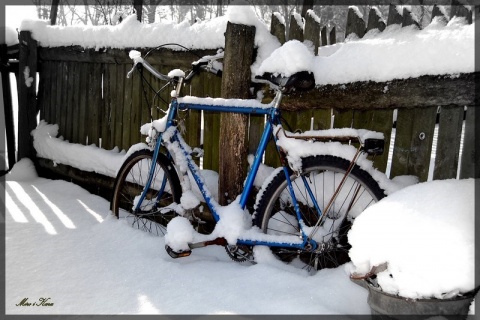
x: 120, y: 124
x: 342, y: 118
x: 106, y: 111
x: 127, y: 111
x: 296, y: 30
x: 136, y: 109
x: 413, y: 142
x: 333, y: 36
x: 83, y: 114
x: 193, y: 117
x: 115, y: 106
x: 322, y: 119
x: 45, y: 103
x: 355, y: 24
x: 271, y: 155
x: 448, y: 142
x: 376, y: 120
x: 58, y: 98
x: 70, y: 75
x: 207, y: 139
x: 76, y: 103
x: 255, y: 130
x: 304, y: 120
x: 312, y: 30
x: 277, y: 29
x: 470, y: 155
x: 323, y: 36
x: 216, y: 142
x: 94, y: 103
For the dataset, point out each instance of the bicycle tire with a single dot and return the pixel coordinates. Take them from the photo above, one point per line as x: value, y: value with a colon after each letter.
x: 275, y: 214
x: 153, y: 215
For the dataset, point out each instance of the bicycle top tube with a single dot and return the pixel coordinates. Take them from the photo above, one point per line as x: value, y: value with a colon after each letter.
x: 250, y: 106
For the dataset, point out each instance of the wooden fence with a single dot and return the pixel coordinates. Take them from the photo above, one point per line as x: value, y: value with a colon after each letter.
x: 87, y: 94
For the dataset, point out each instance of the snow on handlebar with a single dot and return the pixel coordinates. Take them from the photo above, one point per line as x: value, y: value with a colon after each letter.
x: 208, y: 63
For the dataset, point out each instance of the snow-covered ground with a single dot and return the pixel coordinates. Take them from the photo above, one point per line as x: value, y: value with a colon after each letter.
x: 63, y: 244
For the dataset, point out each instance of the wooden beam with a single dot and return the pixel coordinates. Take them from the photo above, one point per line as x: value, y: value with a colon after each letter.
x: 424, y: 91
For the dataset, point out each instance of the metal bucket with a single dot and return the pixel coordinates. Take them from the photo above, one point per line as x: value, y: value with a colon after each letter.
x: 388, y: 306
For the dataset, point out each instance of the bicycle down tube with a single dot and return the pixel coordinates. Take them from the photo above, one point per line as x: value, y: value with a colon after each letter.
x: 272, y: 114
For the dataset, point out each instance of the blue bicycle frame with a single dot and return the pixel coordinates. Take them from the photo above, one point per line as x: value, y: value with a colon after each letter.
x: 273, y: 119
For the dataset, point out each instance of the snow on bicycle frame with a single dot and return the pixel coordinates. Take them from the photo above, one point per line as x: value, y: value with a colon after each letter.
x: 231, y: 227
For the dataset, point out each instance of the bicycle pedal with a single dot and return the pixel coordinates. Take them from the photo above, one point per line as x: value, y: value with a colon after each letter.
x: 177, y: 254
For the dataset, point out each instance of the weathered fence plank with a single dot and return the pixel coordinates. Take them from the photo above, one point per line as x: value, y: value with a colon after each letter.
x: 333, y: 36
x: 409, y: 19
x: 413, y: 142
x: 322, y: 119
x: 312, y: 29
x: 381, y: 121
x: 375, y: 20
x: 296, y: 27
x: 448, y: 142
x: 394, y: 16
x: 437, y: 12
x: 470, y: 167
x: 255, y: 130
x: 323, y: 36
x: 355, y: 23
x: 277, y: 28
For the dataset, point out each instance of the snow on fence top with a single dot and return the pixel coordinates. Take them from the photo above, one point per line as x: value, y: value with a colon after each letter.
x: 395, y: 53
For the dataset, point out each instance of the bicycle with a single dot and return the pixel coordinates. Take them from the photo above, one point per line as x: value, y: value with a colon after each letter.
x: 302, y: 212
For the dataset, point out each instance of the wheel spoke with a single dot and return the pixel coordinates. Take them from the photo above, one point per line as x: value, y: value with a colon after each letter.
x: 323, y: 175
x: 130, y: 183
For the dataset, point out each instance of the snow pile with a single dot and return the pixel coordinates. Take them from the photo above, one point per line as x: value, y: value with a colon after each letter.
x: 294, y: 56
x: 88, y: 158
x: 130, y: 33
x: 23, y: 170
x: 425, y: 233
x: 297, y: 149
x: 395, y: 53
x: 66, y: 265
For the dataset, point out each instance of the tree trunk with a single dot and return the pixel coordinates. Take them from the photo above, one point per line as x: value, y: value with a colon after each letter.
x: 239, y: 40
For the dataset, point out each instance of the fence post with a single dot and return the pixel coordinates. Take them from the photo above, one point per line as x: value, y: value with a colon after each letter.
x: 239, y: 41
x: 27, y: 100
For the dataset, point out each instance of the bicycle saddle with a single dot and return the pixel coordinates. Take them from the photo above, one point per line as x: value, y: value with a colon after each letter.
x: 301, y: 81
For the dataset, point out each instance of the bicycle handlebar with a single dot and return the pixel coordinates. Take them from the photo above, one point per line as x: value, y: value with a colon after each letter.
x: 207, y: 63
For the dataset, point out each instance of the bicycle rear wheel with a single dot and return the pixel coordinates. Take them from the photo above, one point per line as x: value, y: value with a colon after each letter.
x: 157, y: 209
x: 275, y: 213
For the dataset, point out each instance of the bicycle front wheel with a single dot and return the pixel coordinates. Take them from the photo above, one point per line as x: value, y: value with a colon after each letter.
x: 157, y: 209
x: 275, y: 213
